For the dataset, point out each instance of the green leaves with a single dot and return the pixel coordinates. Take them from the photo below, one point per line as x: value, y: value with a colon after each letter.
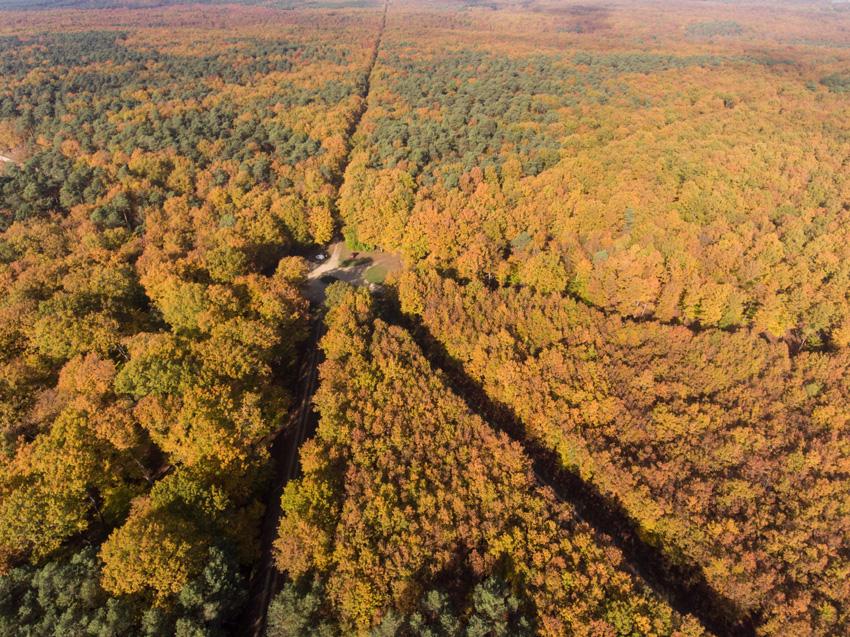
x: 159, y: 365
x: 301, y: 608
x: 166, y: 540
x: 66, y: 598
x: 62, y: 599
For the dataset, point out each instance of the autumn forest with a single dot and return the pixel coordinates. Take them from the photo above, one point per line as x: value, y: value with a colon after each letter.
x: 425, y: 318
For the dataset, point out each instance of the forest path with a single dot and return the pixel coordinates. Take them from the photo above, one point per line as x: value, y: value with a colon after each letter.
x: 266, y: 580
x: 681, y: 587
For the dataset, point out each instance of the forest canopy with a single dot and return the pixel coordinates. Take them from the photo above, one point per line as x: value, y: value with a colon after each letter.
x: 556, y: 292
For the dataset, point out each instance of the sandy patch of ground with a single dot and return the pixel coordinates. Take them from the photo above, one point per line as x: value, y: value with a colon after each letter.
x: 341, y: 266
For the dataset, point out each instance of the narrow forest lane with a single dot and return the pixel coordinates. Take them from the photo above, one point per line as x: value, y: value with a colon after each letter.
x: 645, y: 563
x: 681, y: 587
x: 265, y: 578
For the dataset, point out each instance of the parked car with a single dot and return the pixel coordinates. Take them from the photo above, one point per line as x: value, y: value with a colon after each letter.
x: 321, y: 256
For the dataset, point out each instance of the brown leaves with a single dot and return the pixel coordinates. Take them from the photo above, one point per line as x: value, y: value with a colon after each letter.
x: 404, y: 486
x: 720, y: 444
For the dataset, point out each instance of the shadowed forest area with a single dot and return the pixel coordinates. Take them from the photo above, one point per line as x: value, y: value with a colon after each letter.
x: 582, y: 271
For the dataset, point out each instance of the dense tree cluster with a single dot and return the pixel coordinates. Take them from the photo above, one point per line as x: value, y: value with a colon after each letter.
x: 567, y: 230
x: 624, y: 228
x: 690, y: 187
x: 68, y: 599
x: 150, y: 307
x: 715, y: 28
x: 730, y: 453
x: 115, y: 130
x: 493, y: 609
x: 405, y: 490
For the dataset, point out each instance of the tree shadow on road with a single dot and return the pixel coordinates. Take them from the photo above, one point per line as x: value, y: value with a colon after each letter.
x: 354, y: 263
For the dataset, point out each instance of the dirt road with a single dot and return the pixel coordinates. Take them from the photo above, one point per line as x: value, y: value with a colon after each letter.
x: 265, y: 579
x: 341, y: 266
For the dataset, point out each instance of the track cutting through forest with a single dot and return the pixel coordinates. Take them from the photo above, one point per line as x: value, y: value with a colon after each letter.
x: 680, y: 586
x: 265, y: 578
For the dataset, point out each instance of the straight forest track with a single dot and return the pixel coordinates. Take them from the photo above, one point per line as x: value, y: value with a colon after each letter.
x: 266, y: 580
x: 682, y: 587
x: 365, y: 90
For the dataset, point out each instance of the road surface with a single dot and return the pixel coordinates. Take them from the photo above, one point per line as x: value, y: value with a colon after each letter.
x: 340, y: 266
x: 266, y: 579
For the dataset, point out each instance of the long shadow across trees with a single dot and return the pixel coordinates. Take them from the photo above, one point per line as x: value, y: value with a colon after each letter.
x: 680, y: 584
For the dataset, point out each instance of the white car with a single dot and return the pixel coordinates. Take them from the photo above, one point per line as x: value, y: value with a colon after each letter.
x: 321, y: 256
